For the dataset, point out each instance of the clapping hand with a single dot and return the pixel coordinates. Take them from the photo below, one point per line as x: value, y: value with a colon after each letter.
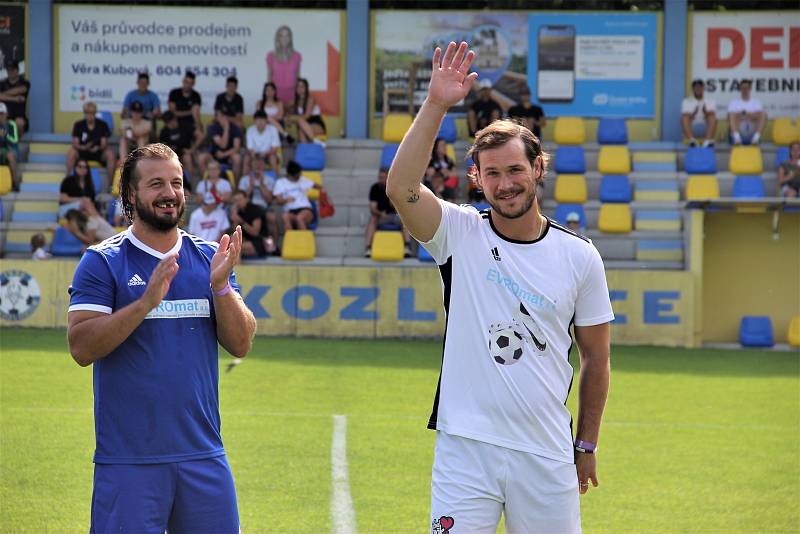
x: 226, y: 257
x: 451, y: 80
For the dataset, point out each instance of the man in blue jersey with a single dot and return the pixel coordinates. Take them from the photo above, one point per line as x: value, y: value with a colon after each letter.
x: 148, y: 307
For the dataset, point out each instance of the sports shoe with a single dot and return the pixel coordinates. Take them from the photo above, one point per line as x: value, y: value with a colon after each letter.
x: 368, y: 252
x: 407, y: 251
x: 692, y: 142
x: 708, y: 143
x: 737, y: 138
x: 756, y: 138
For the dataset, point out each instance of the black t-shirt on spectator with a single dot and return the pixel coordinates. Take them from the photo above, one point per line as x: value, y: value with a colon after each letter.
x: 377, y: 193
x: 185, y: 103
x: 72, y: 187
x: 535, y: 112
x: 229, y: 107
x: 84, y: 134
x: 176, y: 139
x: 250, y: 213
x: 216, y: 129
x: 15, y: 109
x: 484, y: 109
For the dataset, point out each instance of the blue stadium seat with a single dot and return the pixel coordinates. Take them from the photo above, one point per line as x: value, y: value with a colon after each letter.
x: 612, y: 131
x: 108, y: 118
x: 448, y: 130
x: 96, y: 181
x: 570, y: 160
x: 615, y: 188
x: 310, y: 156
x: 748, y: 187
x: 388, y: 153
x: 65, y: 244
x: 781, y: 155
x: 315, y: 221
x: 700, y: 160
x: 34, y: 187
x: 424, y: 255
x: 562, y: 210
x: 34, y: 216
x: 756, y: 331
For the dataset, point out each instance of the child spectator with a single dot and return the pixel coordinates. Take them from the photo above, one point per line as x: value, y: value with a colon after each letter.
x: 208, y: 221
x: 283, y: 65
x: 292, y: 193
x: 528, y: 114
x: 263, y: 142
x: 574, y: 222
x: 135, y: 131
x: 699, y: 116
x: 250, y: 218
x: 90, y: 141
x: 214, y: 182
x: 231, y: 102
x: 8, y: 145
x: 37, y: 247
x: 383, y: 214
x: 305, y: 113
x: 789, y: 173
x: 14, y: 94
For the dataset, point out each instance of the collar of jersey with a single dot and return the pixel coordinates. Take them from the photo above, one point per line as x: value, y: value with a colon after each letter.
x: 517, y: 241
x: 153, y: 252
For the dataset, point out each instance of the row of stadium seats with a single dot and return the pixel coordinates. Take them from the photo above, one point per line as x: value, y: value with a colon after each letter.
x: 756, y: 331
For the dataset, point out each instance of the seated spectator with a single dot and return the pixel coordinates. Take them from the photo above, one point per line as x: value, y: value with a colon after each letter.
x: 528, y: 114
x: 77, y: 186
x: 90, y: 141
x: 441, y: 162
x: 120, y: 219
x: 789, y: 173
x: 699, y: 116
x: 214, y: 182
x: 185, y: 103
x: 250, y: 217
x: 37, y: 247
x: 151, y: 105
x: 574, y: 222
x: 14, y: 94
x: 225, y: 144
x: 305, y: 114
x: 8, y: 145
x: 259, y: 186
x: 263, y: 142
x: 382, y: 213
x: 208, y: 221
x: 746, y: 116
x: 177, y: 139
x: 484, y: 110
x: 231, y: 102
x: 439, y: 188
x: 88, y: 226
x: 273, y: 107
x: 291, y: 192
x: 135, y: 130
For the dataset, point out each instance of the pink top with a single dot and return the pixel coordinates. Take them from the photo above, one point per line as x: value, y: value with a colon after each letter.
x: 284, y: 75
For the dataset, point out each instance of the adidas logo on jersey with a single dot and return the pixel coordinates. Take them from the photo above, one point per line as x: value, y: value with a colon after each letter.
x: 136, y: 280
x: 496, y: 254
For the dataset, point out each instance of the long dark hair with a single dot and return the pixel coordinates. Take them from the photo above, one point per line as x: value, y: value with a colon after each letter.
x: 130, y: 178
x: 297, y: 96
x: 264, y: 94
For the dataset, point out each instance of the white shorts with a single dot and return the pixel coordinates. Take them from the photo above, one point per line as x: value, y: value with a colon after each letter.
x: 474, y: 482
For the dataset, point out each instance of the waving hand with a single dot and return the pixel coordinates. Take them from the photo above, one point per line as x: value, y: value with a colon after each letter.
x: 451, y: 80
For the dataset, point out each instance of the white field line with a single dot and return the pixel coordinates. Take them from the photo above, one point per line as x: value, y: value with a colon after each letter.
x: 342, y: 513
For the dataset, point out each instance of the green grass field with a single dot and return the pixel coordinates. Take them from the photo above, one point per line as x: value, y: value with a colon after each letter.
x: 692, y: 440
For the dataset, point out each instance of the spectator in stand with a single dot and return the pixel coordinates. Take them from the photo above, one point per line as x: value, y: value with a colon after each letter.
x: 528, y: 114
x: 77, y: 187
x: 225, y: 144
x: 88, y: 226
x: 789, y: 173
x: 382, y: 212
x: 8, y: 145
x: 263, y: 142
x: 699, y: 116
x: 250, y: 217
x: 90, y: 141
x: 38, y: 252
x: 484, y: 110
x: 151, y: 105
x: 291, y: 192
x: 209, y: 220
x: 439, y: 188
x: 746, y: 116
x: 283, y: 65
x: 305, y: 113
x: 574, y: 222
x: 443, y: 163
x: 231, y: 103
x: 185, y: 103
x: 215, y: 183
x: 259, y: 186
x: 178, y: 140
x: 14, y: 94
x: 273, y: 107
x: 135, y: 130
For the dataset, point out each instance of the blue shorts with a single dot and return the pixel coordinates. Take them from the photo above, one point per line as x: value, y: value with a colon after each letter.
x: 194, y: 496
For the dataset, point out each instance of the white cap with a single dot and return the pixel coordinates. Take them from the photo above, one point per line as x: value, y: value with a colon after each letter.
x: 485, y: 83
x: 3, y: 108
x: 573, y: 217
x: 209, y: 198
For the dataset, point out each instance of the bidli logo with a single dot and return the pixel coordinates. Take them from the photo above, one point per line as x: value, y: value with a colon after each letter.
x: 136, y: 280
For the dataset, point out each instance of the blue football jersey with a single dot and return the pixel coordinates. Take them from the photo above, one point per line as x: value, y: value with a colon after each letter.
x: 156, y: 395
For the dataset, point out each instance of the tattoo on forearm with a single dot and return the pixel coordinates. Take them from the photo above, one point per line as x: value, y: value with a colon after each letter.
x: 413, y: 196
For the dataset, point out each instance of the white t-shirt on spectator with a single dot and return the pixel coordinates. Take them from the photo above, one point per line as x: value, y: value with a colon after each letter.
x: 297, y: 190
x: 747, y: 106
x: 223, y: 185
x: 262, y: 142
x: 694, y: 107
x: 257, y: 198
x: 102, y: 230
x: 208, y: 226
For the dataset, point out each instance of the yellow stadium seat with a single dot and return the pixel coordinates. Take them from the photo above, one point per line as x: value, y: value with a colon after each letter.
x: 299, y: 245
x: 95, y: 164
x: 395, y: 126
x: 702, y: 187
x: 6, y: 183
x: 40, y: 206
x: 614, y: 159
x: 746, y: 160
x: 451, y: 152
x: 785, y: 131
x: 615, y: 219
x: 570, y: 189
x: 316, y: 177
x: 387, y: 246
x: 115, y: 182
x: 793, y: 335
x: 570, y: 131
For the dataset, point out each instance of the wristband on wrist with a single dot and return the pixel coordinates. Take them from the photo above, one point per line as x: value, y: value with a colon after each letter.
x: 224, y: 291
x: 586, y: 447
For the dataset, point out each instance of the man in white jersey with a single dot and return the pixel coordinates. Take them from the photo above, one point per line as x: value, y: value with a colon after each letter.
x: 514, y: 282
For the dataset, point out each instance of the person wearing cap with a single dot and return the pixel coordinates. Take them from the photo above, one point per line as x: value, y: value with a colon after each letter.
x: 151, y: 105
x: 178, y: 140
x: 209, y: 220
x: 698, y: 116
x: 90, y: 141
x: 484, y: 110
x: 225, y: 144
x: 574, y: 222
x: 530, y: 115
x: 263, y: 142
x: 14, y: 94
x: 8, y: 144
x: 135, y: 131
x: 230, y: 102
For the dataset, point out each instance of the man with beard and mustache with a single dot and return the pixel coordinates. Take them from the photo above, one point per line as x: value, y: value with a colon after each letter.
x: 147, y: 308
x: 511, y: 278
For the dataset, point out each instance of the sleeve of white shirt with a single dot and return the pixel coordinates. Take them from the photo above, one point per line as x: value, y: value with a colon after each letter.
x: 711, y: 105
x: 224, y: 186
x: 224, y: 223
x: 687, y: 106
x: 306, y: 184
x: 456, y: 222
x: 735, y: 106
x: 755, y: 105
x: 193, y: 226
x: 250, y: 141
x: 280, y: 187
x: 593, y: 305
x: 274, y: 140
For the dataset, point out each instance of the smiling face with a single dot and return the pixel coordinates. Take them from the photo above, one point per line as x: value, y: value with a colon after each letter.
x: 507, y: 178
x: 158, y: 197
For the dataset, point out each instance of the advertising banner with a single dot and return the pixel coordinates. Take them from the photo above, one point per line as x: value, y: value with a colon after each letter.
x: 12, y: 37
x: 101, y: 49
x: 763, y: 46
x: 593, y: 65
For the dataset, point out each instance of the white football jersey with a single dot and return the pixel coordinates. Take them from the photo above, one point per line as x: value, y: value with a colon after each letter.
x: 509, y: 304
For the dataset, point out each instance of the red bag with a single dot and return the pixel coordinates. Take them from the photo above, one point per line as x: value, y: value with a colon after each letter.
x: 326, y: 208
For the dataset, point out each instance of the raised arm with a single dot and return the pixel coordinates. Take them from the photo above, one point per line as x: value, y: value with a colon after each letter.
x: 450, y: 82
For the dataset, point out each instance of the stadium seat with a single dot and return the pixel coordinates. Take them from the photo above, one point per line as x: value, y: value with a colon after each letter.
x: 785, y: 131
x: 451, y: 152
x: 388, y: 153
x: 793, y: 335
x: 49, y: 148
x: 702, y: 187
x: 448, y: 130
x: 614, y: 159
x: 387, y: 246
x: 298, y: 245
x: 65, y: 244
x: 700, y: 160
x: 570, y: 188
x: 34, y: 216
x: 756, y: 331
x: 19, y: 241
x: 115, y: 182
x: 615, y: 219
x: 34, y: 187
x: 108, y: 118
x: 615, y: 188
x: 658, y: 220
x: 310, y: 156
x: 562, y: 210
x: 781, y: 155
x: 6, y: 184
x: 570, y: 160
x: 657, y: 191
x: 748, y: 187
x: 316, y: 177
x: 659, y: 250
x: 570, y: 131
x: 97, y: 182
x: 395, y: 126
x: 612, y: 131
x: 424, y: 255
x: 745, y: 160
